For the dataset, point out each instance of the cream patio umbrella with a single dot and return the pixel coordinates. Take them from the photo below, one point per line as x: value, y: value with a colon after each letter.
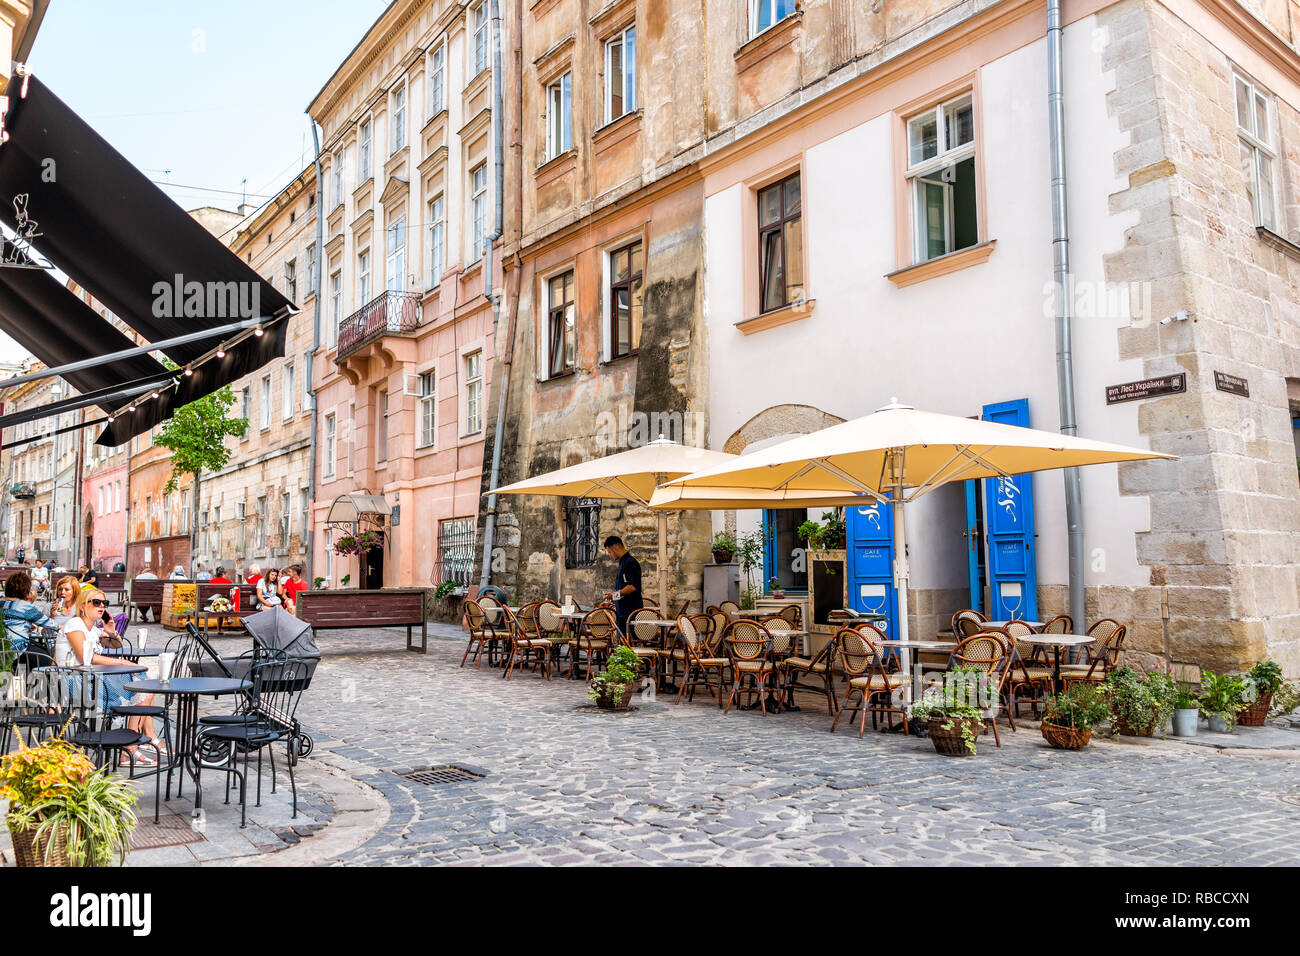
x: 895, y: 455
x: 630, y: 475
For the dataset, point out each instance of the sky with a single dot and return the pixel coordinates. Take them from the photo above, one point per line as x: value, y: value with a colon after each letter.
x: 208, y: 96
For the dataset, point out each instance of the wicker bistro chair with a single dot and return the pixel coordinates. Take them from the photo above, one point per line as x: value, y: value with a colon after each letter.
x: 699, y: 660
x: 965, y: 627
x: 597, y: 635
x: 968, y: 614
x: 642, y: 639
x: 483, y: 634
x: 869, y: 686
x: 749, y: 645
x: 1061, y: 624
x: 792, y: 613
x: 720, y: 624
x: 525, y: 647
x: 729, y: 608
x: 1102, y: 661
x: 551, y: 626
x: 819, y: 665
x: 990, y: 652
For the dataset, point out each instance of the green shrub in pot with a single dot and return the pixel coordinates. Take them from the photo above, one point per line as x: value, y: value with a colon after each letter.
x: 1221, y: 697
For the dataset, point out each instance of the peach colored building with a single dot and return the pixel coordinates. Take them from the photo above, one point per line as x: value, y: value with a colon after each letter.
x: 405, y: 350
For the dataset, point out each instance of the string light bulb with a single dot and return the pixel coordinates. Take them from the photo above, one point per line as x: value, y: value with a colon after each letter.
x: 258, y: 331
x: 221, y: 353
x: 188, y: 372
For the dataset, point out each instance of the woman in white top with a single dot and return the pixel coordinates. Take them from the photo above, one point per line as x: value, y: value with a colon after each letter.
x: 78, y: 646
x: 268, y: 590
x: 65, y: 599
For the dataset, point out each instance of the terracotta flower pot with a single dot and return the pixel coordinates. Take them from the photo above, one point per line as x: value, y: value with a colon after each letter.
x: 1064, y: 737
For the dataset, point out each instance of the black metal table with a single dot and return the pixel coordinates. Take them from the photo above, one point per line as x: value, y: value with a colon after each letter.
x: 187, y: 691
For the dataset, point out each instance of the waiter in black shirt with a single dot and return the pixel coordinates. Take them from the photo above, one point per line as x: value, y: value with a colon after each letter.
x: 627, y: 582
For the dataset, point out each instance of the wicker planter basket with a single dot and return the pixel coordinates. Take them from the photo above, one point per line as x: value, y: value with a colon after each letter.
x: 1063, y: 737
x: 29, y: 852
x: 1257, y: 713
x: 615, y: 696
x: 950, y: 742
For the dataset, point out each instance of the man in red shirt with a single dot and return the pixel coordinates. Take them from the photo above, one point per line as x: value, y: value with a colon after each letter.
x: 294, y: 586
x: 221, y: 577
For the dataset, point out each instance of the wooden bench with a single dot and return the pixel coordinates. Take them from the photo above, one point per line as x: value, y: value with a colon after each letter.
x: 387, y: 607
x: 113, y: 583
x: 247, y: 599
x: 147, y: 593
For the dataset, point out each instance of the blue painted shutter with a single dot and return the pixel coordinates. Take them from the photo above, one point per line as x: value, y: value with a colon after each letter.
x: 1009, y: 524
x: 870, y: 539
x: 974, y: 546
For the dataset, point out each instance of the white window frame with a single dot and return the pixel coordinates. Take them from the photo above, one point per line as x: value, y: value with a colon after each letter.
x: 559, y: 115
x: 930, y: 171
x: 330, y: 446
x: 241, y: 526
x: 397, y: 111
x: 774, y: 14
x: 437, y: 239
x: 426, y: 433
x: 291, y: 279
x: 620, y: 45
x: 480, y: 27
x: 287, y: 395
x: 336, y: 306
x: 436, y: 87
x: 478, y: 209
x: 185, y: 511
x: 338, y: 178
x: 363, y: 277
x: 264, y: 413
x: 308, y: 400
x: 381, y: 426
x: 473, y: 392
x: 1258, y: 151
x: 313, y: 264
x: 365, y: 149
x: 286, y: 519
x: 395, y: 255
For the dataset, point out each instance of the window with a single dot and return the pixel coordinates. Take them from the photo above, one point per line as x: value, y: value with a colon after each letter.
x: 285, y: 524
x: 478, y: 208
x: 559, y: 125
x: 1255, y: 141
x: 766, y: 13
x: 941, y: 179
x: 329, y: 554
x: 287, y: 392
x: 783, y: 547
x: 437, y: 60
x: 336, y: 306
x: 167, y: 514
x: 100, y: 509
x: 117, y: 496
x: 259, y: 542
x: 396, y: 249
x: 148, y: 516
x: 185, y: 512
x: 437, y: 240
x: 581, y: 531
x: 456, y: 550
x: 291, y: 280
x: 338, y: 179
x: 265, y: 418
x: 312, y: 266
x: 480, y: 39
x: 381, y: 427
x: 560, y: 335
x: 473, y: 392
x: 307, y: 400
x: 780, y: 244
x: 363, y: 278
x: 625, y: 268
x: 363, y: 151
x: 329, y: 446
x: 399, y: 118
x: 428, y: 407
x: 241, y: 526
x: 245, y: 406
x: 620, y: 75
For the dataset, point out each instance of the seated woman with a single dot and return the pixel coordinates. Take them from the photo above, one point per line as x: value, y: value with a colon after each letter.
x: 78, y: 645
x: 269, y: 593
x: 65, y: 599
x: 23, y: 619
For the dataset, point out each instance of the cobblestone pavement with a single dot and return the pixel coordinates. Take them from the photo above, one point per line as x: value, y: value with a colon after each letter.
x: 565, y: 784
x: 685, y: 784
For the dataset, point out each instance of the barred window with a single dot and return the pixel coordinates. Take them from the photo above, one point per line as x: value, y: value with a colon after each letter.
x: 581, y: 531
x: 456, y: 549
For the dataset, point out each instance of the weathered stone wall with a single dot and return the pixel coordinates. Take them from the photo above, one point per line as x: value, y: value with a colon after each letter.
x: 1222, y: 547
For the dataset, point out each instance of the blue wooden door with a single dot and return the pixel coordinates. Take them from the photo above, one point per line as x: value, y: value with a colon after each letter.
x: 1009, y: 526
x: 870, y: 540
x: 974, y: 537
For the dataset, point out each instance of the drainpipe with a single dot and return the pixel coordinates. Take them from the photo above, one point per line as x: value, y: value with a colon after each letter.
x: 311, y: 359
x: 490, y: 520
x: 1064, y: 306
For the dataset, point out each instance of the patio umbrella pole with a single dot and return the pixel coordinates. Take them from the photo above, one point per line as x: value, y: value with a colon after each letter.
x: 900, y: 581
x: 663, y: 563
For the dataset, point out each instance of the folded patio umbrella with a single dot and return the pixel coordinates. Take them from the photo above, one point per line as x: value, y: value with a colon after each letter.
x: 895, y: 455
x: 630, y: 475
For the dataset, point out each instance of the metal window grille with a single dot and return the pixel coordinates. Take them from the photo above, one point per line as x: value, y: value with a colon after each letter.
x: 456, y: 550
x: 582, y: 531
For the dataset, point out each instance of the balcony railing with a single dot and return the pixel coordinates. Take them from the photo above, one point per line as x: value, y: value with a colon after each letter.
x: 389, y: 313
x: 24, y: 489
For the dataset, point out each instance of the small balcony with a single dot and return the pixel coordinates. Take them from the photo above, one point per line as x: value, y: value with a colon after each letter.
x: 24, y: 489
x: 389, y: 313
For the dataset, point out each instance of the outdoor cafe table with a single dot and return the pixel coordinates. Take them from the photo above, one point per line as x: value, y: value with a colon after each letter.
x: 187, y: 691
x: 938, y: 647
x: 128, y: 653
x: 1056, y: 641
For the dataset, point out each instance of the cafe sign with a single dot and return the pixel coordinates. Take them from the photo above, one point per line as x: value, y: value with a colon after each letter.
x: 1232, y: 384
x: 1147, y: 388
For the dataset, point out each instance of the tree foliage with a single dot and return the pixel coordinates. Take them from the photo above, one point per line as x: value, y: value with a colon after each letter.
x: 196, y: 435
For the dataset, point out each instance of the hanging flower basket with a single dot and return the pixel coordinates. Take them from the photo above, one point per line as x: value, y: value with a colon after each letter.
x: 359, y: 544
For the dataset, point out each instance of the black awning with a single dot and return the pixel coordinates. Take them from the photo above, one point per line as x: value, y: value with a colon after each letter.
x: 101, y: 221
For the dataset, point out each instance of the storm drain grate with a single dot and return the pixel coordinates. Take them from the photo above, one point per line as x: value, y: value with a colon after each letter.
x: 435, y: 776
x: 170, y: 830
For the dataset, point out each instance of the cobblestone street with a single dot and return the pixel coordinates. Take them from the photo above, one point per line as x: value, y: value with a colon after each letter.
x: 563, y: 784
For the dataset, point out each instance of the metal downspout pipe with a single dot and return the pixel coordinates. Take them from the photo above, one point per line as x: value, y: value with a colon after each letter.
x: 311, y: 359
x: 1064, y: 289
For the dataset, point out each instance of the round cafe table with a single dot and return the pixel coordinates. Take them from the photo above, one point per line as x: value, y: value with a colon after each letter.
x: 1056, y: 641
x: 187, y: 691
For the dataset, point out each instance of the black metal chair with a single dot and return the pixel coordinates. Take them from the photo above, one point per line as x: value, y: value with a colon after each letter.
x: 268, y: 717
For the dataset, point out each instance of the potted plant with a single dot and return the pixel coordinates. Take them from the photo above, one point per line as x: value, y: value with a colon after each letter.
x: 810, y: 532
x: 1187, y: 713
x: 724, y: 547
x: 1262, y: 682
x: 955, y: 712
x: 346, y: 545
x: 62, y: 811
x: 1221, y: 700
x: 1139, y: 704
x: 612, y: 689
x: 317, y: 583
x: 774, y: 588
x: 1069, y: 717
x: 834, y: 530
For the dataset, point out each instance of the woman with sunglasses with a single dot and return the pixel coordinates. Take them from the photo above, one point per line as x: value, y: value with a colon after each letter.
x: 78, y: 645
